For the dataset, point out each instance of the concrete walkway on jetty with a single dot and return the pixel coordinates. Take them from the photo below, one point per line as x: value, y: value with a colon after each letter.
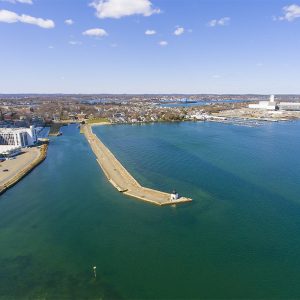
x: 121, y: 179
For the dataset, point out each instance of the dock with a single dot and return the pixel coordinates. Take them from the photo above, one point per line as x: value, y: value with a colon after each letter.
x: 121, y: 179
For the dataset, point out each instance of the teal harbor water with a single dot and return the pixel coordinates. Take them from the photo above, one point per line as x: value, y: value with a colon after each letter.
x: 240, y: 238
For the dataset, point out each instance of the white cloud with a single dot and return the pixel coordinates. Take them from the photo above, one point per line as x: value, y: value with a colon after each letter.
x: 97, y: 32
x: 219, y: 22
x: 7, y: 16
x: 122, y: 8
x: 163, y: 43
x: 69, y: 22
x: 179, y: 31
x: 150, y: 32
x: 290, y: 13
x: 75, y: 43
x: 216, y: 76
x: 18, y: 1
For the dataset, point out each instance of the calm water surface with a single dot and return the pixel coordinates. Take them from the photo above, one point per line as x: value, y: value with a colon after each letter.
x: 201, y: 103
x: 240, y: 238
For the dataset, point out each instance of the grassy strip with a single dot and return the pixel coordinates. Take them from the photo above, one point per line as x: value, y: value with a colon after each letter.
x: 97, y: 120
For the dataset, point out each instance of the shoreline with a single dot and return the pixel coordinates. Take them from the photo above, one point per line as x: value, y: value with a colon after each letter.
x: 120, y: 178
x: 214, y: 119
x: 25, y: 171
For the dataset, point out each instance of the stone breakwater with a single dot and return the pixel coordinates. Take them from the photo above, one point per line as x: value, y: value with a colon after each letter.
x: 121, y: 179
x: 26, y: 170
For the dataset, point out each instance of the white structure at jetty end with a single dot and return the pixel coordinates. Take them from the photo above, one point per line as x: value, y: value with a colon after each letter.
x: 174, y: 196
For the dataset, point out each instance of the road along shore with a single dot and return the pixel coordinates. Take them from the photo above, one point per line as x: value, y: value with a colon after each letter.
x: 17, y: 170
x: 121, y: 179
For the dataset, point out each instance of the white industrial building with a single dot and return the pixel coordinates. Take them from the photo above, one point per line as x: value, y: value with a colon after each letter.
x: 13, y: 139
x: 20, y: 137
x: 266, y: 105
x: 292, y: 106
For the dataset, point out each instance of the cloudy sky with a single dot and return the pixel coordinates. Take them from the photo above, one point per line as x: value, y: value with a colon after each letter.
x: 149, y: 46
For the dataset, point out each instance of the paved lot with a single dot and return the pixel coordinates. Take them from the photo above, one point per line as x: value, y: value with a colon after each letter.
x: 16, y: 165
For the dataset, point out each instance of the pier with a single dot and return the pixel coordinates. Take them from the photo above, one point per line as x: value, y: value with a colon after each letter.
x: 121, y: 179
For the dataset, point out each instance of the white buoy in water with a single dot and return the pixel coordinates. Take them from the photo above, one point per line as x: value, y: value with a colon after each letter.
x: 95, y: 271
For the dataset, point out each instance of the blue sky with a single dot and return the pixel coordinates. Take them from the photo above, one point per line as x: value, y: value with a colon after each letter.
x: 220, y: 46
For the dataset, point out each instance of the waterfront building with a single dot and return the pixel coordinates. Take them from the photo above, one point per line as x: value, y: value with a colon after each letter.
x: 292, y: 106
x: 9, y: 151
x: 18, y: 137
x: 266, y: 105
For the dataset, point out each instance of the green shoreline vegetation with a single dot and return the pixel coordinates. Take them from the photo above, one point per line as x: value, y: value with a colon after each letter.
x: 97, y: 120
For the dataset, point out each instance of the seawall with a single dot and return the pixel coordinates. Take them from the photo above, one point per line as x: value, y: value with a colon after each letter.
x: 121, y: 179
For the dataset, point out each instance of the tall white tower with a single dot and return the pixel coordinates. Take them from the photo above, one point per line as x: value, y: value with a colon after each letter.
x: 272, y: 98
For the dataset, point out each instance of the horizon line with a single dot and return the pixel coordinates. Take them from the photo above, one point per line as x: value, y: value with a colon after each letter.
x: 155, y: 94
